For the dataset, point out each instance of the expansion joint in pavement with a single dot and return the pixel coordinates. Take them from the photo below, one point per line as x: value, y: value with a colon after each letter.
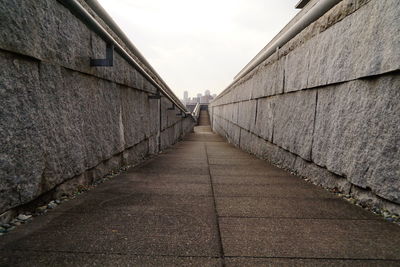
x: 221, y: 246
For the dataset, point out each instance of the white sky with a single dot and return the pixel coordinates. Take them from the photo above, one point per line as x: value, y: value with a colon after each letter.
x: 203, y: 44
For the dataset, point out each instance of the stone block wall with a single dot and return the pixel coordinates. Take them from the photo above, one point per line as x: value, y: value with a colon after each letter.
x: 327, y: 104
x: 61, y: 121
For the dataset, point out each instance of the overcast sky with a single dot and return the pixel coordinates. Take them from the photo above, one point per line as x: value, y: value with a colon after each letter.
x: 202, y: 44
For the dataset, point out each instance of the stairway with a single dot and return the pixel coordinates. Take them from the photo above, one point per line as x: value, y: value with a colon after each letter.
x: 204, y: 118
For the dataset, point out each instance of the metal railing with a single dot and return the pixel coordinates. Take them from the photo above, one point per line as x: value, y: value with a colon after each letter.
x: 196, y: 112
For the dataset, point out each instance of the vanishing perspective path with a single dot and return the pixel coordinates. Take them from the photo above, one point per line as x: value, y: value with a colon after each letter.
x: 204, y: 203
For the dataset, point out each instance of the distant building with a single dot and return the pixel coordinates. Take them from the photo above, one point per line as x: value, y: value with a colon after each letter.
x: 185, y: 97
x: 200, y: 98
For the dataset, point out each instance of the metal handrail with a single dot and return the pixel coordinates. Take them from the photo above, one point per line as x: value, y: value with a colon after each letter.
x: 196, y: 111
x: 78, y: 10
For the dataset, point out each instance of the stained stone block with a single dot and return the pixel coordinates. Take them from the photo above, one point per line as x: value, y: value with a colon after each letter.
x: 165, y: 104
x: 153, y: 145
x: 153, y: 117
x: 294, y: 122
x: 321, y: 176
x: 363, y: 44
x: 187, y: 125
x: 167, y: 137
x: 82, y: 119
x: 266, y: 150
x: 245, y: 140
x: 265, y: 118
x: 135, y: 154
x: 357, y: 133
x: 234, y: 133
x: 48, y: 31
x: 242, y: 92
x: 268, y: 80
x: 297, y: 65
x: 177, y: 130
x: 235, y: 113
x: 133, y: 108
x: 231, y: 96
x: 246, y: 117
x: 44, y: 30
x: 21, y: 152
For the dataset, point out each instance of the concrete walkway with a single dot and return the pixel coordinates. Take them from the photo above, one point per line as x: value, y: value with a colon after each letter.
x: 204, y: 203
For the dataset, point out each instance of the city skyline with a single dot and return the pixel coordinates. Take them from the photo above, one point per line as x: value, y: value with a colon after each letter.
x: 199, y: 98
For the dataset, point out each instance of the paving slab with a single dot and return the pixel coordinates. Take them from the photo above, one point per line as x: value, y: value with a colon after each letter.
x: 234, y: 170
x: 102, y: 204
x: 229, y: 156
x: 174, y: 163
x: 196, y: 170
x: 242, y: 162
x: 312, y: 208
x: 310, y: 238
x: 205, y: 136
x: 64, y: 259
x: 201, y: 158
x: 292, y: 190
x: 161, y: 188
x: 287, y: 262
x: 162, y: 178
x: 144, y: 235
x: 267, y: 179
x: 154, y: 227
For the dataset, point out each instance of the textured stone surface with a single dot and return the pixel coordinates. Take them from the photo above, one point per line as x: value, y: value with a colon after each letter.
x: 134, y: 122
x: 357, y: 133
x: 264, y: 118
x: 169, y: 117
x: 294, y: 122
x: 268, y: 79
x: 47, y: 30
x: 82, y: 116
x: 321, y: 176
x: 25, y: 25
x: 247, y: 111
x: 240, y: 92
x: 234, y: 135
x: 297, y: 68
x: 372, y: 45
x: 21, y: 153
